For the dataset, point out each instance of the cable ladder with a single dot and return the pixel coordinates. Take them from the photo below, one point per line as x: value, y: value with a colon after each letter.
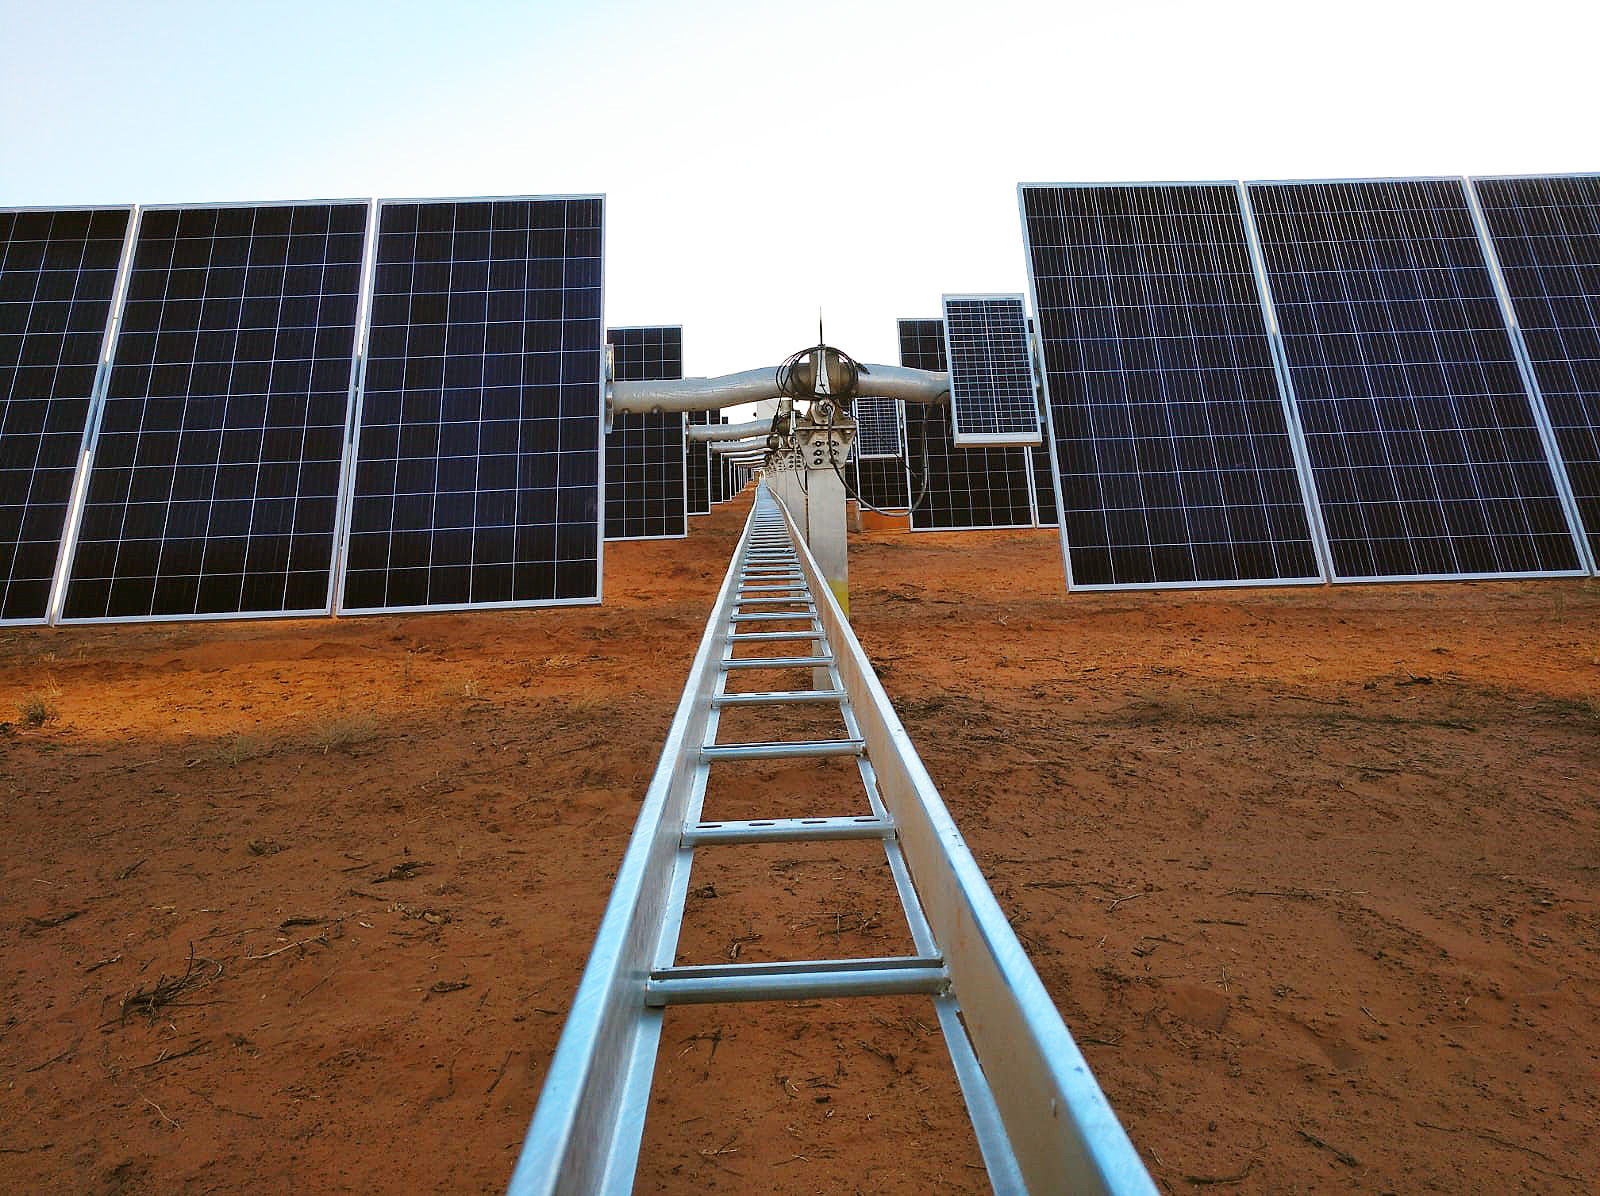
x: 1043, y: 1126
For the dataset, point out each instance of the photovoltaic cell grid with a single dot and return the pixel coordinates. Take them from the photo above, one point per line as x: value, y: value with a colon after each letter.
x: 881, y: 482
x: 877, y: 427
x: 477, y: 475
x: 1546, y: 233
x: 1422, y: 441
x: 58, y: 272
x: 1171, y: 436
x: 719, y: 469
x: 645, y: 484
x: 699, y: 453
x: 991, y: 379
x: 955, y: 488
x: 215, y: 480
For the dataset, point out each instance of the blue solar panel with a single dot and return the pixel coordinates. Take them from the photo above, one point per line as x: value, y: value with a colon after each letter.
x: 1176, y: 461
x: 219, y: 451
x: 58, y: 275
x: 992, y: 399
x: 477, y: 478
x: 1426, y: 454
x: 645, y: 479
x: 1546, y: 233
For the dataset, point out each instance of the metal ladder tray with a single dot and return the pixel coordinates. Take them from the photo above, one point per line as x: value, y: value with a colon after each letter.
x: 1040, y: 1119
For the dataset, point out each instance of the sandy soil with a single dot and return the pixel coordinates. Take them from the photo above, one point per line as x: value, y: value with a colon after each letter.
x: 1312, y: 874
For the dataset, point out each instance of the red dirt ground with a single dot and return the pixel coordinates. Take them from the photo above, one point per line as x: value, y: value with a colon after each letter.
x: 1312, y: 875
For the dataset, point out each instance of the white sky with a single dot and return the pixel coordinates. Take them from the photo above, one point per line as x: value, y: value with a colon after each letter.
x: 762, y: 160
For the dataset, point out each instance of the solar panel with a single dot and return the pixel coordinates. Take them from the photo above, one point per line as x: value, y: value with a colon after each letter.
x: 699, y: 469
x: 58, y: 275
x: 992, y: 398
x: 1546, y: 234
x: 218, y: 455
x: 1172, y: 437
x: 956, y: 489
x: 881, y: 482
x: 646, y: 485
x: 477, y: 478
x: 720, y: 478
x: 877, y: 427
x: 1422, y: 441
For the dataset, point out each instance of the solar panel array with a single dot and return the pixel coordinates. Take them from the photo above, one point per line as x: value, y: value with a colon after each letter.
x: 477, y: 477
x: 699, y: 469
x: 217, y: 461
x: 1546, y: 234
x: 1422, y: 441
x: 720, y: 478
x: 992, y: 397
x: 646, y: 486
x: 955, y: 488
x: 58, y: 275
x: 1172, y: 439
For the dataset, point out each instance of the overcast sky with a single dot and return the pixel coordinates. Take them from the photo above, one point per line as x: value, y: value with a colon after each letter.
x: 762, y: 160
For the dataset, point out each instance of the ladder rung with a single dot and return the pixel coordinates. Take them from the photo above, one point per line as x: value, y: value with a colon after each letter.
x: 780, y: 697
x: 787, y: 830
x: 778, y: 662
x: 789, y: 587
x: 802, y: 598
x: 776, y: 635
x: 796, y: 750
x: 736, y: 617
x: 881, y: 977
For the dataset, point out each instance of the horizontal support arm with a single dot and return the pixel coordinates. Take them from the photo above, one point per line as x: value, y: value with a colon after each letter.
x: 752, y: 386
x: 756, y: 427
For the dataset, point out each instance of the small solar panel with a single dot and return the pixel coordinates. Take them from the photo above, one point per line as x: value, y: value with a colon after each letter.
x: 477, y: 478
x: 992, y: 398
x: 1546, y: 234
x: 877, y: 427
x: 950, y: 488
x: 1423, y: 444
x: 58, y: 275
x: 646, y: 485
x: 699, y: 468
x: 219, y: 451
x: 1173, y: 445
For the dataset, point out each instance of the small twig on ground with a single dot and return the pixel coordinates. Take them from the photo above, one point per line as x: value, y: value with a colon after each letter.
x: 404, y: 870
x: 1296, y: 894
x: 1219, y: 922
x: 1201, y: 1180
x: 1349, y: 1160
x: 499, y: 1075
x: 160, y: 1110
x: 53, y: 920
x: 166, y: 992
x: 130, y: 869
x: 193, y: 1048
x: 1112, y: 908
x: 1487, y: 1137
x: 100, y: 963
x: 316, y: 938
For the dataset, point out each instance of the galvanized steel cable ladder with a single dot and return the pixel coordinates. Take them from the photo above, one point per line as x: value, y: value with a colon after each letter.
x: 1047, y: 1128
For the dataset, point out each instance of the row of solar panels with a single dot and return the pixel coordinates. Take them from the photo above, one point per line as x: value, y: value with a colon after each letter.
x: 296, y: 408
x: 1347, y: 381
x: 1297, y: 382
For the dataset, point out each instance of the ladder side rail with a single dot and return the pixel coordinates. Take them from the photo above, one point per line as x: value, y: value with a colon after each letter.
x: 584, y: 1136
x: 1063, y: 1133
